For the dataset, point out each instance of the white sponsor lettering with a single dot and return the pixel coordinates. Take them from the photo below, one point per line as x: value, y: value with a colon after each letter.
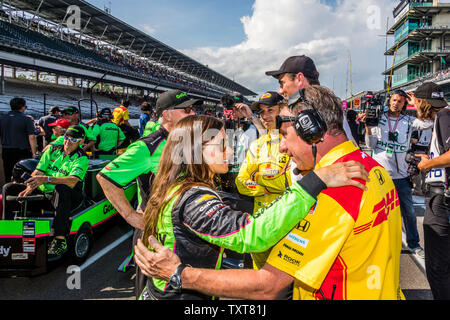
x: 208, y: 204
x: 298, y: 240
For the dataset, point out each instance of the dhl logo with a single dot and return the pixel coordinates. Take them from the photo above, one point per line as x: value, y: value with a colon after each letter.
x: 382, y: 209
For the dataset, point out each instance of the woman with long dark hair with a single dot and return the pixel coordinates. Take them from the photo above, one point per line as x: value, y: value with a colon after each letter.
x: 186, y: 214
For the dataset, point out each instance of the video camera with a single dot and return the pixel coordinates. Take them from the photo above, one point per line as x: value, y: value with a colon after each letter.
x: 413, y: 161
x: 229, y: 100
x: 374, y: 108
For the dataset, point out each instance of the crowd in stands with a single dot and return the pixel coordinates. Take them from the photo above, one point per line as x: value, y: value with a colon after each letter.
x: 125, y: 61
x: 433, y: 77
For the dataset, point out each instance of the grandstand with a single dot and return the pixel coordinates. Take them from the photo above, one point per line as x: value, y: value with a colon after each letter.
x: 55, y: 95
x: 421, y: 44
x: 34, y: 37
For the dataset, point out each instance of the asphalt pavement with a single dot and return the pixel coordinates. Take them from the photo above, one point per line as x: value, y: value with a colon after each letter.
x: 99, y: 279
x: 412, y: 268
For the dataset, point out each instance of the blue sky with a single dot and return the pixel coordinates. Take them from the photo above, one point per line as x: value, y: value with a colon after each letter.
x: 244, y: 38
x: 185, y: 24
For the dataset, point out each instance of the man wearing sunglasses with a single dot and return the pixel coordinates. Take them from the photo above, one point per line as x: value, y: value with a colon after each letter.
x: 390, y: 142
x: 59, y: 176
x: 141, y: 162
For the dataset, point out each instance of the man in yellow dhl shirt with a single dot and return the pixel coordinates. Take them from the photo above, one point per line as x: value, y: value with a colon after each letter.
x: 347, y: 248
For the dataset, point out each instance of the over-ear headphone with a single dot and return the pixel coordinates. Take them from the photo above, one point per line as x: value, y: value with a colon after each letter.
x: 309, y: 124
x: 400, y: 93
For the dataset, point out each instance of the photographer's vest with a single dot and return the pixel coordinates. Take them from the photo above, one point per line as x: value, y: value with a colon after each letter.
x: 391, y: 154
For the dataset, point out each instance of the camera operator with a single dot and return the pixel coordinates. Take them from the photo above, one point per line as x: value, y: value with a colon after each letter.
x: 436, y: 224
x: 390, y: 141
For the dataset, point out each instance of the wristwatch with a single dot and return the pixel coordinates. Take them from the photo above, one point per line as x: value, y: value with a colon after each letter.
x: 49, y: 179
x: 175, y: 278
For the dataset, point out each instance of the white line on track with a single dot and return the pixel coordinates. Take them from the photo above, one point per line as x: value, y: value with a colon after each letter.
x: 105, y: 250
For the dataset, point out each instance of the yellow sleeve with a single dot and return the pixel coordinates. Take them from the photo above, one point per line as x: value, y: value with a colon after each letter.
x: 308, y: 252
x: 126, y: 115
x: 244, y: 182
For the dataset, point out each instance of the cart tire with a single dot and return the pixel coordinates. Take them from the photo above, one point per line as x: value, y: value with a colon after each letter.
x: 82, y: 244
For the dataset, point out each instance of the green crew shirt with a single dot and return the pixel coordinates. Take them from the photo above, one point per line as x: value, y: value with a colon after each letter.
x: 140, y: 160
x: 53, y: 163
x: 57, y: 141
x: 107, y: 135
x: 87, y: 132
x: 151, y: 127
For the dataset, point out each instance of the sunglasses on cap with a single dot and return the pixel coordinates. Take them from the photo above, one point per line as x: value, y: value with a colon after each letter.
x: 73, y: 140
x: 282, y: 119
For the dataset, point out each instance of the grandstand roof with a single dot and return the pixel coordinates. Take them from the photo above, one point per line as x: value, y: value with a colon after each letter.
x: 101, y: 25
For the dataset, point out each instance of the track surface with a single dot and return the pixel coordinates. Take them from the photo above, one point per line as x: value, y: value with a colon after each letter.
x: 100, y: 280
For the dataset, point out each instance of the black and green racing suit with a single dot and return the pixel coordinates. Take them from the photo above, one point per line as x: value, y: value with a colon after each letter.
x: 140, y: 162
x: 198, y: 226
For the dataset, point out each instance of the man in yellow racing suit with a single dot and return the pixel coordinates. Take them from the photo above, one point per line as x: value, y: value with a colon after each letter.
x: 265, y: 172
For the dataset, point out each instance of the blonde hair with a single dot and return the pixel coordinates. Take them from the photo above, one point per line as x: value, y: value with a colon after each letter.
x: 424, y: 110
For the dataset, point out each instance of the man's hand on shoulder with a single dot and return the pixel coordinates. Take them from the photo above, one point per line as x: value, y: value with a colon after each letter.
x: 159, y: 264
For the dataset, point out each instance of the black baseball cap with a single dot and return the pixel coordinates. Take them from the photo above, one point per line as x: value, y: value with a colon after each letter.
x: 76, y: 132
x: 174, y: 99
x: 70, y: 110
x: 54, y: 109
x: 296, y: 65
x: 106, y: 112
x: 433, y: 93
x: 270, y: 98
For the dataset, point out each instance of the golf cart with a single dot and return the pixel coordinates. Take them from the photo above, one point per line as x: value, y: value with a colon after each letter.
x: 26, y: 228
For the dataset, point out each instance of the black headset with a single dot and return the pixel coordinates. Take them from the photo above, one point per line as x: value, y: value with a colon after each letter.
x: 309, y: 124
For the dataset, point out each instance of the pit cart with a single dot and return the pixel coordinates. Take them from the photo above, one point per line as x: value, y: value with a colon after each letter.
x: 26, y: 234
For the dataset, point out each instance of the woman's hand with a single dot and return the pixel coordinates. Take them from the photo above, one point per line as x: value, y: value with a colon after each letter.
x: 411, y: 98
x: 243, y: 110
x: 343, y: 174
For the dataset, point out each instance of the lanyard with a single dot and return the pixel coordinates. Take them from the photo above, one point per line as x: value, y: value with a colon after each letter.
x: 396, y: 123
